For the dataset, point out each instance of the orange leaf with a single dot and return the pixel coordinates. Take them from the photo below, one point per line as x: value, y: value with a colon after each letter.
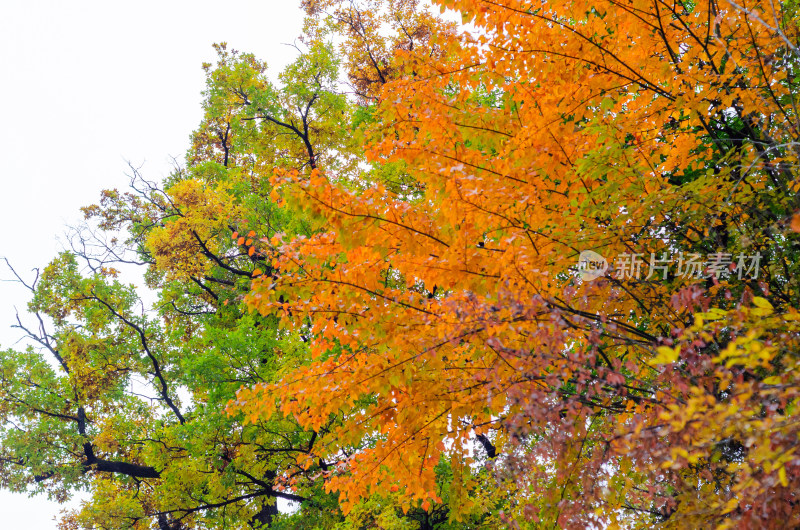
x: 796, y: 222
x: 240, y: 241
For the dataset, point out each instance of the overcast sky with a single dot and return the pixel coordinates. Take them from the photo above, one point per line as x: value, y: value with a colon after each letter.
x: 85, y: 86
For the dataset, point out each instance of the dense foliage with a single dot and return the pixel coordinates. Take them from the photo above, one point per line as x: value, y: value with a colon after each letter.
x: 535, y: 270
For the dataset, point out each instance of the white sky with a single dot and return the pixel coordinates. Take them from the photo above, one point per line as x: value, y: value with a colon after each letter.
x: 85, y: 86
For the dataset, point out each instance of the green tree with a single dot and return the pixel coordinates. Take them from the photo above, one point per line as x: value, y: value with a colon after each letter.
x: 128, y: 401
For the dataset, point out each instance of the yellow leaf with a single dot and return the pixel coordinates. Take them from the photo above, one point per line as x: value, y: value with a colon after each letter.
x: 762, y: 303
x: 666, y: 355
x: 731, y: 505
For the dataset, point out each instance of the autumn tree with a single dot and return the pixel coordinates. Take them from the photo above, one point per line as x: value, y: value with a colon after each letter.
x: 453, y: 323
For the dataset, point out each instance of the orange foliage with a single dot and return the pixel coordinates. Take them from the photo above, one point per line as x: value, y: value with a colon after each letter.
x: 554, y: 128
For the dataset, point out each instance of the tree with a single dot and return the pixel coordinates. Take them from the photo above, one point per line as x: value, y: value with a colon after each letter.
x: 454, y: 317
x: 129, y: 403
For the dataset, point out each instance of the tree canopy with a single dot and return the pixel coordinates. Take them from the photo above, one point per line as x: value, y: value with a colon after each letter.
x: 533, y: 270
